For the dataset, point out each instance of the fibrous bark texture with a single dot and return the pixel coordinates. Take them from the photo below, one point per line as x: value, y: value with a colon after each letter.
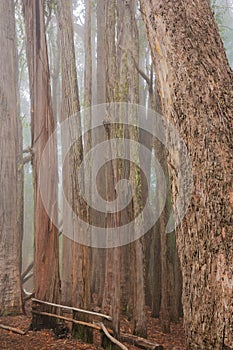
x: 47, y: 283
x: 196, y: 89
x: 10, y: 235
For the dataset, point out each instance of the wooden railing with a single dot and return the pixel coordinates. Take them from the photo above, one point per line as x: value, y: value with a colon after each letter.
x: 96, y: 321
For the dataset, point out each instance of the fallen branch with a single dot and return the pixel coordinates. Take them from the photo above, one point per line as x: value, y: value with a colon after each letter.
x: 28, y: 269
x: 113, y: 340
x: 26, y: 278
x: 141, y: 343
x: 73, y: 309
x: 91, y: 325
x: 12, y: 329
x: 27, y: 159
x: 28, y: 297
x: 27, y: 150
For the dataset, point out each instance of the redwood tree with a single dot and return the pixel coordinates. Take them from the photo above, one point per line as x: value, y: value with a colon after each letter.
x: 196, y: 89
x: 76, y: 257
x: 47, y: 283
x: 10, y: 235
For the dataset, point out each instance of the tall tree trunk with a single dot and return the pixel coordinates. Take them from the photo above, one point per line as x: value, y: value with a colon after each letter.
x: 111, y: 295
x: 56, y: 85
x: 164, y: 314
x: 88, y: 58
x: 164, y: 265
x: 69, y: 106
x: 195, y: 84
x: 47, y: 281
x: 100, y: 16
x: 10, y: 226
x: 98, y: 254
x: 88, y: 136
x: 175, y: 279
x: 75, y: 256
x: 128, y: 57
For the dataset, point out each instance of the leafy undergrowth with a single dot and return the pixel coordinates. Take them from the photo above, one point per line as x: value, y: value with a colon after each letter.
x: 43, y: 340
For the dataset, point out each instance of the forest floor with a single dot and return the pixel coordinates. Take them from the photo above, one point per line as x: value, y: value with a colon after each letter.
x: 46, y: 339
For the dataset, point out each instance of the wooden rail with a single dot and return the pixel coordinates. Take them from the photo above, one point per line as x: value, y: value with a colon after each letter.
x: 88, y: 324
x: 73, y: 309
x: 108, y: 333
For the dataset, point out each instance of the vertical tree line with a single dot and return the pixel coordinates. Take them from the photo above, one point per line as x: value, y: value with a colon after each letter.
x: 10, y: 156
x: 46, y: 262
x: 166, y: 56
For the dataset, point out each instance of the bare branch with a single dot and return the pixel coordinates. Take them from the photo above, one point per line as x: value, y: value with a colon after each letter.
x: 27, y: 150
x: 141, y: 343
x: 11, y: 329
x: 143, y: 74
x: 28, y: 297
x: 113, y: 340
x: 27, y: 159
x: 28, y: 269
x: 26, y: 278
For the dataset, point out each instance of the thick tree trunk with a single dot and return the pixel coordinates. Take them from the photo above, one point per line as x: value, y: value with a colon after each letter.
x: 195, y: 84
x: 75, y: 274
x: 56, y: 85
x: 98, y: 255
x: 100, y: 15
x: 111, y: 296
x: 128, y: 57
x: 47, y: 282
x: 69, y: 106
x: 155, y: 271
x: 175, y: 279
x: 10, y: 179
x: 160, y: 226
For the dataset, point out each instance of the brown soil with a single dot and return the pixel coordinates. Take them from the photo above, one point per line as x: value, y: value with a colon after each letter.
x: 43, y: 340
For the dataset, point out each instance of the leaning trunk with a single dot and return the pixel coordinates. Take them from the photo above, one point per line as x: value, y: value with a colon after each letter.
x: 195, y: 83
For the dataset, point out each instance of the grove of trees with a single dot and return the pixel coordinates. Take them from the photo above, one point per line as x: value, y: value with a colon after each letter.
x: 79, y: 74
